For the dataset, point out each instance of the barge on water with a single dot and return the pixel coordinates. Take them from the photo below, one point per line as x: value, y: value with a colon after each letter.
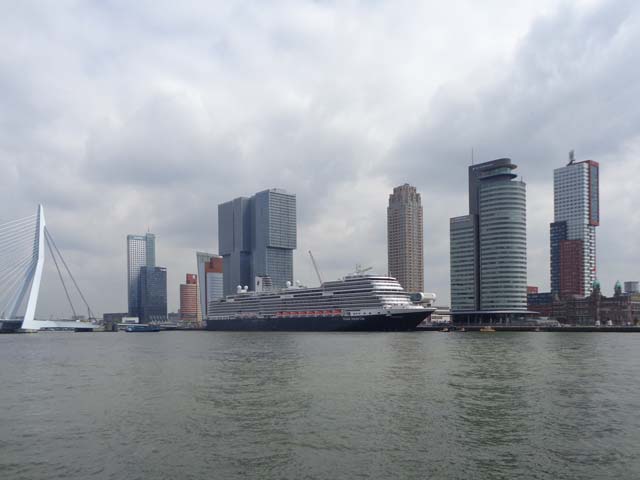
x: 142, y: 327
x: 358, y: 302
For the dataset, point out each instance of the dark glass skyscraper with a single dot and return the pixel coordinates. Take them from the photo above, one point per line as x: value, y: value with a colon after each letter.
x: 256, y: 238
x: 153, y: 294
x: 235, y: 242
x: 141, y: 252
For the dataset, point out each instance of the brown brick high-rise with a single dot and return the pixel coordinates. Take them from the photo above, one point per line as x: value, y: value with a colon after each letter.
x: 405, y: 238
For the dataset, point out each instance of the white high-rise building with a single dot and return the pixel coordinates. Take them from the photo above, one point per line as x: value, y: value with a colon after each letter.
x: 141, y: 252
x: 573, y: 233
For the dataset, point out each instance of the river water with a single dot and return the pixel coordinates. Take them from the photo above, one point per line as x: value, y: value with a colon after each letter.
x: 210, y: 405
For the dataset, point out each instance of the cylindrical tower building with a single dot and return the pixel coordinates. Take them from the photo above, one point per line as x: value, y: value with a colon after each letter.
x: 502, y: 218
x: 405, y: 245
x: 189, y: 304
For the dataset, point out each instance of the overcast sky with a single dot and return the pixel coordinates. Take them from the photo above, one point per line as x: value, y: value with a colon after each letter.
x: 125, y: 116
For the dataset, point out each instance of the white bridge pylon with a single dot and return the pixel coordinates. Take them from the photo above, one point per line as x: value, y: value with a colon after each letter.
x: 22, y: 256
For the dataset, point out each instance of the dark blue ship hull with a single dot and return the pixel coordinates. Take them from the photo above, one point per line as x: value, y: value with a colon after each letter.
x: 371, y: 323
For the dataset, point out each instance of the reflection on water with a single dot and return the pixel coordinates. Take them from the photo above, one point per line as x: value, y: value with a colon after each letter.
x: 291, y: 405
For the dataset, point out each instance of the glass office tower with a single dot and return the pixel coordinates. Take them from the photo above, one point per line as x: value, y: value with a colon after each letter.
x: 141, y: 252
x: 489, y: 248
x: 153, y: 295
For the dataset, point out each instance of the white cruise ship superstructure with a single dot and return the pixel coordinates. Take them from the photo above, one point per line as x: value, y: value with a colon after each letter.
x: 356, y: 303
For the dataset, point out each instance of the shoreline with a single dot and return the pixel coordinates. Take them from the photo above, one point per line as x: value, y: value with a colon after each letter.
x: 534, y: 328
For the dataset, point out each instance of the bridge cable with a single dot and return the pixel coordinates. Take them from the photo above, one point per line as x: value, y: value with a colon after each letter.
x: 14, y: 264
x: 15, y: 254
x: 18, y: 222
x: 19, y: 272
x: 15, y: 269
x: 23, y: 232
x: 18, y: 250
x: 46, y: 231
x: 64, y: 285
x: 16, y: 239
x: 13, y: 290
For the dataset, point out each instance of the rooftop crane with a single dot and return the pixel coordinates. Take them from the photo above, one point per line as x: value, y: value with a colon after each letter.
x: 315, y: 266
x: 361, y: 270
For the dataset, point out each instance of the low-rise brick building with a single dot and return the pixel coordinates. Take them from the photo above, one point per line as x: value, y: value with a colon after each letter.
x: 620, y: 309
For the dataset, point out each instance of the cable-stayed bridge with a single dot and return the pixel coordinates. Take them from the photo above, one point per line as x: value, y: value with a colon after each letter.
x: 23, y: 243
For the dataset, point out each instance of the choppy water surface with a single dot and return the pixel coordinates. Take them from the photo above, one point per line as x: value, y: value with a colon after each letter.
x: 182, y: 405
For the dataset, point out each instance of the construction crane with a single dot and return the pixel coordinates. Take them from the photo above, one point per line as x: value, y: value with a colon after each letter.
x: 361, y: 270
x: 315, y: 266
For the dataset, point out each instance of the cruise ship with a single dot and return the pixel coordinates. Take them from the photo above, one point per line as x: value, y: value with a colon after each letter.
x: 357, y: 302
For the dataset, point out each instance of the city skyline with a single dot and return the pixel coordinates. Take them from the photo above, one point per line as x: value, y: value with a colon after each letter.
x: 145, y: 239
x: 120, y: 131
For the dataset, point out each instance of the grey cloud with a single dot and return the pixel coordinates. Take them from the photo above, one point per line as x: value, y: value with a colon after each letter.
x: 571, y: 72
x: 573, y: 83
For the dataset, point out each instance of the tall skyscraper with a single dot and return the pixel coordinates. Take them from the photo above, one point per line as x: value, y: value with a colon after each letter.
x: 214, y: 280
x: 489, y: 248
x: 256, y: 237
x: 153, y: 294
x: 141, y: 252
x: 209, y: 278
x: 189, y: 304
x: 573, y: 232
x: 235, y: 242
x: 405, y: 245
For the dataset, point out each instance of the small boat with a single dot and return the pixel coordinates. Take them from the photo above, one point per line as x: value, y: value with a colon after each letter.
x: 462, y: 330
x: 142, y: 327
x: 487, y: 329
x: 445, y: 329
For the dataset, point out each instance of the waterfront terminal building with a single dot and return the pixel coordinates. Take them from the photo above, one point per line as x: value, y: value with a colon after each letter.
x: 621, y: 309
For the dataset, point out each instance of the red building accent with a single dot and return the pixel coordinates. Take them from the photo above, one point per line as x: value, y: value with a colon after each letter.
x: 571, y: 268
x: 189, y: 305
x: 214, y: 265
x: 532, y: 290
